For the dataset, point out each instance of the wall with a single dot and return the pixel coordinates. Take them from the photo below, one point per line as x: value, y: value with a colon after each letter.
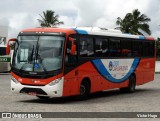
x: 157, y: 68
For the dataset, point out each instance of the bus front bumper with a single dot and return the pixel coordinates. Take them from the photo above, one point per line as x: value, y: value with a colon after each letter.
x: 49, y: 90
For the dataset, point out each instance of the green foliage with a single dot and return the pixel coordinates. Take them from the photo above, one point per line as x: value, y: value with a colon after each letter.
x: 133, y: 21
x: 158, y: 48
x: 49, y: 19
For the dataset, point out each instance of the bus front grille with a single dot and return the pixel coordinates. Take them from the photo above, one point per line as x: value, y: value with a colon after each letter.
x: 34, y: 90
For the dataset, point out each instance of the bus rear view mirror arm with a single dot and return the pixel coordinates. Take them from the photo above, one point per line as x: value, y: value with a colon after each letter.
x: 9, y: 44
x: 72, y: 46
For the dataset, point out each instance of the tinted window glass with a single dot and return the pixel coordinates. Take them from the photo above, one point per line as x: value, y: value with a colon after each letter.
x: 115, y: 49
x: 2, y: 50
x: 152, y: 48
x: 148, y: 49
x: 137, y: 48
x: 126, y: 46
x: 86, y: 47
x: 101, y: 47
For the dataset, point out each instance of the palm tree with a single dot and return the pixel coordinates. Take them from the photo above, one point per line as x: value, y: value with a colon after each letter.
x: 124, y: 23
x: 49, y: 19
x: 134, y: 21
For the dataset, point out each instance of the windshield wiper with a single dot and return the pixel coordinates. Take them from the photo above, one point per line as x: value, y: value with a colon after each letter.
x: 38, y: 56
x: 43, y: 65
x: 31, y: 56
x: 36, y: 53
x: 22, y: 68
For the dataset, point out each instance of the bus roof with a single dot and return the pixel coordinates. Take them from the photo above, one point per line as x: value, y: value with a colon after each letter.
x: 48, y: 30
x: 108, y: 32
x: 88, y: 31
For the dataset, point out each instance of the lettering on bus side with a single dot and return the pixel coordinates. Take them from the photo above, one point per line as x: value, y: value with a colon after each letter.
x: 4, y: 59
x: 115, y: 66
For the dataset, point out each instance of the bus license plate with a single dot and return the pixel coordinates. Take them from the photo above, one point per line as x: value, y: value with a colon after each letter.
x: 32, y: 93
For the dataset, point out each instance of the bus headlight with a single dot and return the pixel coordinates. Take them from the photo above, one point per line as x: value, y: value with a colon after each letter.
x: 54, y: 82
x: 14, y: 80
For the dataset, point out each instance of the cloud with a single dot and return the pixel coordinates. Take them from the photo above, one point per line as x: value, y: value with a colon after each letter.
x: 22, y: 14
x: 69, y: 21
x: 88, y: 12
x: 4, y: 21
x: 153, y: 12
x: 104, y: 13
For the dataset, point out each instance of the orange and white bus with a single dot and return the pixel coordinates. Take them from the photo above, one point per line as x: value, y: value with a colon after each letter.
x: 56, y: 62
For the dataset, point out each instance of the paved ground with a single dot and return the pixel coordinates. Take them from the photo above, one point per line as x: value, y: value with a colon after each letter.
x: 145, y: 99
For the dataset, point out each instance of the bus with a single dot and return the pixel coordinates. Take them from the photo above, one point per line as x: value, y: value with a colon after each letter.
x: 4, y: 58
x: 59, y: 62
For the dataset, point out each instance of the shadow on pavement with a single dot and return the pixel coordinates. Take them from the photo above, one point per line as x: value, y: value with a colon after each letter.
x: 95, y: 96
x: 4, y: 73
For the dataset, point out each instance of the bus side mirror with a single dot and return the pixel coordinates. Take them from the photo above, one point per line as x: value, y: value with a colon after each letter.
x: 10, y: 44
x: 72, y: 46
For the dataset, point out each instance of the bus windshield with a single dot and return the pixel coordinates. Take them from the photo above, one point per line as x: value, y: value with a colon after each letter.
x: 38, y: 53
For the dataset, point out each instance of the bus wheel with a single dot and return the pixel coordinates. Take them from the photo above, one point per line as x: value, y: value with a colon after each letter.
x: 43, y: 97
x: 131, y: 86
x: 84, y: 90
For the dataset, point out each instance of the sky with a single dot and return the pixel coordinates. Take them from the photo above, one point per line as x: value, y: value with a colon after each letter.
x: 23, y: 14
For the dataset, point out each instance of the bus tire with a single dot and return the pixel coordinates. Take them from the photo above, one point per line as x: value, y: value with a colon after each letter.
x: 84, y: 90
x: 132, y: 85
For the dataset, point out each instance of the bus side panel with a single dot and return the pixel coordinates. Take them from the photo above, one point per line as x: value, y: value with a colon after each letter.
x: 88, y: 70
x: 145, y: 71
x: 72, y: 80
x: 139, y: 74
x: 150, y: 69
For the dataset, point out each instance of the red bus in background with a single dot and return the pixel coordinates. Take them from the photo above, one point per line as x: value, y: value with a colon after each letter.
x: 56, y: 62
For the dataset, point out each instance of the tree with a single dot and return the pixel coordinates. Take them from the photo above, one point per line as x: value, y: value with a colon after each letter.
x: 134, y: 21
x: 49, y: 19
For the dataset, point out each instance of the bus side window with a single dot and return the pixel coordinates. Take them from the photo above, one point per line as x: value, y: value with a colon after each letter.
x: 101, y: 47
x: 148, y: 49
x: 115, y: 49
x: 151, y: 48
x: 86, y: 47
x: 137, y: 49
x: 2, y: 40
x: 126, y: 46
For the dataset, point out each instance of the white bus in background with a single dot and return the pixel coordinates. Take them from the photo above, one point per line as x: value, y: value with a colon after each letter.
x: 4, y: 58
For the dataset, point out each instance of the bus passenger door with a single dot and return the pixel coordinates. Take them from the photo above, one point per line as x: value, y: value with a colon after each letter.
x: 70, y: 68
